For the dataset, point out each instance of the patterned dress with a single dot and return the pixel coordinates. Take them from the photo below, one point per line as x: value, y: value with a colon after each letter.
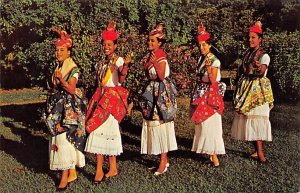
x: 69, y: 111
x: 253, y: 100
x: 158, y: 104
x: 106, y: 110
x: 206, y: 108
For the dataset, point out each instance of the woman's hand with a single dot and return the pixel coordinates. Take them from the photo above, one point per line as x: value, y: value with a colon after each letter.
x: 59, y: 128
x: 207, y: 62
x: 54, y: 147
x: 79, y: 132
x: 128, y: 58
x: 258, y: 64
x: 58, y: 75
x: 152, y: 58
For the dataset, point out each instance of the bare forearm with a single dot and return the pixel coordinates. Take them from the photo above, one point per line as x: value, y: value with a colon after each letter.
x: 67, y: 86
x: 123, y: 73
x: 160, y: 70
x: 212, y: 74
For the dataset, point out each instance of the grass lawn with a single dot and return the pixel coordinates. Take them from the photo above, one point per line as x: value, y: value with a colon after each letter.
x: 24, y: 158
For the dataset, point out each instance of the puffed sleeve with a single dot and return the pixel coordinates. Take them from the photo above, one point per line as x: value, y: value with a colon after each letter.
x: 120, y: 62
x: 76, y: 75
x: 216, y: 63
x: 265, y: 59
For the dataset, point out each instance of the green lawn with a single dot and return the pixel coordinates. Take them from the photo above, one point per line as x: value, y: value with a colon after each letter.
x: 24, y: 158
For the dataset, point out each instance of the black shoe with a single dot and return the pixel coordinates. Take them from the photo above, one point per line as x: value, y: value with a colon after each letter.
x: 61, y: 189
x: 96, y: 182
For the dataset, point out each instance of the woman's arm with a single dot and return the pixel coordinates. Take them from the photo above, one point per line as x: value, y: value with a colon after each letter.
x: 261, y: 69
x: 69, y: 86
x: 212, y: 72
x: 160, y: 67
x: 124, y: 69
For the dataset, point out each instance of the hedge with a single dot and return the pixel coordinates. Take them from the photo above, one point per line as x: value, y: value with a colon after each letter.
x: 27, y: 57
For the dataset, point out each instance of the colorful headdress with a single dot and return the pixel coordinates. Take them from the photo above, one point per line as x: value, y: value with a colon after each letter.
x: 64, y: 38
x: 110, y: 33
x: 257, y: 28
x: 158, y: 31
x: 203, y: 35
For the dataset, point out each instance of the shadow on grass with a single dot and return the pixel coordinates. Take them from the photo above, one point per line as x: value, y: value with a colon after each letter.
x: 29, y: 115
x: 33, y: 150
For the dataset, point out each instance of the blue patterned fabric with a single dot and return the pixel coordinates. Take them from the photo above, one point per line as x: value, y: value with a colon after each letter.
x: 158, y: 101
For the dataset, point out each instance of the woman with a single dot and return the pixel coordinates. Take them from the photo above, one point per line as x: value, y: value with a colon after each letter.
x: 158, y: 102
x: 65, y: 114
x: 107, y: 107
x: 253, y: 98
x: 207, y: 102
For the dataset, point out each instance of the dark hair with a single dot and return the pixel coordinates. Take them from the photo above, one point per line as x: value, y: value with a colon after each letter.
x: 211, y: 41
x: 114, y: 41
x: 162, y: 40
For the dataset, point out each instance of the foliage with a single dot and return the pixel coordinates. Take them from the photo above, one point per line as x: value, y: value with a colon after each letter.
x: 26, y: 38
x: 285, y: 69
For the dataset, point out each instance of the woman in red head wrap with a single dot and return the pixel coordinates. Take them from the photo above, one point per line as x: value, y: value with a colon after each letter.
x: 207, y: 101
x: 253, y: 98
x: 108, y: 106
x: 158, y: 102
x: 65, y: 114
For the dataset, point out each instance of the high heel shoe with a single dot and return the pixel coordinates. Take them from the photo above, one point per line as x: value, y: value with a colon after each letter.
x: 159, y: 173
x: 62, y: 189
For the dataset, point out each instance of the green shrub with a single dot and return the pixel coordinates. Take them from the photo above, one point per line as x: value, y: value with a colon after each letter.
x: 26, y: 37
x: 284, y: 70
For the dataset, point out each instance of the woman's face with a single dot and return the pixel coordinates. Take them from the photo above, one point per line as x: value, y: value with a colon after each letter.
x: 62, y: 53
x: 153, y: 43
x: 109, y: 47
x: 204, y: 47
x: 254, y: 40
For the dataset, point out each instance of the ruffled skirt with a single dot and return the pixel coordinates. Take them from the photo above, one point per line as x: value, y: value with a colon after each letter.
x: 158, y: 137
x: 208, y: 136
x: 66, y: 156
x: 252, y: 126
x: 106, y: 139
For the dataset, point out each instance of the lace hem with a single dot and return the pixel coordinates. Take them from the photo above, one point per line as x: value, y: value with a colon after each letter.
x: 209, y: 152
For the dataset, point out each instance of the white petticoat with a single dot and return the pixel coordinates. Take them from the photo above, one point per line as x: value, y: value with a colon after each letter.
x: 106, y: 139
x: 208, y: 136
x: 252, y: 126
x: 66, y: 156
x: 158, y: 137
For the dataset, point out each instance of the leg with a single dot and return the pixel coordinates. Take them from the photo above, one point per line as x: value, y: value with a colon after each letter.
x: 113, y: 171
x: 254, y: 154
x: 99, y: 171
x: 215, y: 160
x: 72, y: 175
x: 64, y: 179
x: 163, y: 163
x: 260, y: 152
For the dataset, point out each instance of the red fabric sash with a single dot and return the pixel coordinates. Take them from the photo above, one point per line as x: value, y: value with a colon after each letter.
x: 209, y: 104
x: 113, y: 101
